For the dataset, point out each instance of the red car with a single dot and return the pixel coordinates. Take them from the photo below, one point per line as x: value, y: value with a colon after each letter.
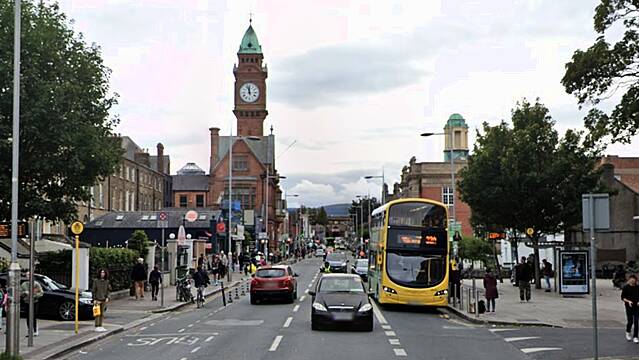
x: 277, y: 281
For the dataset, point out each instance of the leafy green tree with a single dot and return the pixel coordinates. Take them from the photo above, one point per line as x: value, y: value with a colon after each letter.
x: 66, y: 134
x: 604, y: 69
x: 139, y: 242
x: 527, y: 177
x: 322, y: 217
x: 475, y: 249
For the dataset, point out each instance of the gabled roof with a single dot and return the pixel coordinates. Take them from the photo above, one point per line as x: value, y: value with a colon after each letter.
x: 148, y: 219
x: 153, y: 160
x: 262, y: 149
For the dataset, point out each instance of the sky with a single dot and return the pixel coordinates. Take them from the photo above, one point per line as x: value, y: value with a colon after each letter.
x: 351, y: 83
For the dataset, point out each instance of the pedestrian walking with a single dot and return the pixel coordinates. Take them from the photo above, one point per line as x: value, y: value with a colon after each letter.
x: 240, y: 259
x: 155, y: 279
x: 547, y: 272
x: 138, y: 275
x: 630, y: 298
x: 490, y: 285
x: 24, y: 298
x: 215, y: 268
x: 4, y: 297
x: 201, y: 260
x: 455, y: 279
x: 100, y: 291
x: 523, y: 274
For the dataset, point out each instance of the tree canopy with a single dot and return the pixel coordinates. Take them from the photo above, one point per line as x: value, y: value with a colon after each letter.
x: 526, y: 176
x: 66, y: 133
x: 605, y: 69
x: 139, y: 242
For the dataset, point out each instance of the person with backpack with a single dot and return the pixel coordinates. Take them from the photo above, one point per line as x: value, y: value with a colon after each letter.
x: 24, y: 298
x: 100, y: 292
x: 490, y: 286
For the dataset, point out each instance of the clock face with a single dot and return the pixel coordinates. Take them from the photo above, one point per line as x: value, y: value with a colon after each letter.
x: 249, y: 92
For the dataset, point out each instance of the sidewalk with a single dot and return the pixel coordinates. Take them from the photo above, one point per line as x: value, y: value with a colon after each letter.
x: 121, y: 314
x: 548, y: 308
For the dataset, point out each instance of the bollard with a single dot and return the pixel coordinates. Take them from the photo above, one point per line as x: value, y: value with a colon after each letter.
x: 242, y: 293
x: 237, y: 293
x: 223, y: 296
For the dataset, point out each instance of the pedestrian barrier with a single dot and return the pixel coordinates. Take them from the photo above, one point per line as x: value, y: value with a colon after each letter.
x: 237, y: 293
x: 243, y: 285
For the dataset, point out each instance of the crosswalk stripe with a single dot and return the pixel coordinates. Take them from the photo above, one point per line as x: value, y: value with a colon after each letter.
x: 400, y: 352
x: 521, y: 338
x: 538, y: 349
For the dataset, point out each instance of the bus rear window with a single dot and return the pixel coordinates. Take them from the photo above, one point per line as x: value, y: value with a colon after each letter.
x: 417, y: 214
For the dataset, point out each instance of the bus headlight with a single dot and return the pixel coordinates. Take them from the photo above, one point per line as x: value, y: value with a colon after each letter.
x: 441, y: 292
x: 389, y: 290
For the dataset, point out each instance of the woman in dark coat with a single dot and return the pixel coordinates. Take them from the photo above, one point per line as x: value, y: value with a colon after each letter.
x: 490, y: 285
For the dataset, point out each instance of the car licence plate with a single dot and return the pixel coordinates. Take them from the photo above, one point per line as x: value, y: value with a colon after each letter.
x: 343, y: 316
x: 270, y: 285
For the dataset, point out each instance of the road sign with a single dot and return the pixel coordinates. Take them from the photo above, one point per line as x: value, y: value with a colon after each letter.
x: 262, y: 235
x: 220, y: 227
x: 496, y: 235
x: 190, y: 216
x: 77, y: 228
x: 163, y: 220
x: 530, y: 231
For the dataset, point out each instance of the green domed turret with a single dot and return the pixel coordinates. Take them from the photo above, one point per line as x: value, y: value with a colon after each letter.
x: 456, y: 120
x: 250, y: 44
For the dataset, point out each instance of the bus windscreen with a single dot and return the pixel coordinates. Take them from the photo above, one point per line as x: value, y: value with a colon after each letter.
x: 417, y: 214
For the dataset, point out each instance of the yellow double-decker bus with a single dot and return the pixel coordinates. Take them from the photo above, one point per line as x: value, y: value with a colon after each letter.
x: 408, y: 253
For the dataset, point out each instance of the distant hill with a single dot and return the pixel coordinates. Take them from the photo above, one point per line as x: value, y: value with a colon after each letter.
x: 331, y: 210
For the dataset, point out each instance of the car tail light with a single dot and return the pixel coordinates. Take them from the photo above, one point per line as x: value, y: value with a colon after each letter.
x: 285, y: 283
x: 255, y: 283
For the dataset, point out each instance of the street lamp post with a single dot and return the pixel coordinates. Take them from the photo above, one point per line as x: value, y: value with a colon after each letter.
x: 13, y: 316
x: 268, y: 181
x: 368, y: 177
x: 452, y: 170
x: 288, y: 222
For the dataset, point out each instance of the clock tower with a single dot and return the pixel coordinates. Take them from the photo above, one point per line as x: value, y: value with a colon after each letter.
x: 250, y: 86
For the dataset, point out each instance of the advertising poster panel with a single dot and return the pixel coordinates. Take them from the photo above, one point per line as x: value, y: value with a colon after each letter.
x: 573, y: 272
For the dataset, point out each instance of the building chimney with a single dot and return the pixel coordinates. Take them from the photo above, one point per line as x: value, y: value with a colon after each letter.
x: 608, y: 173
x: 160, y: 149
x: 215, y: 142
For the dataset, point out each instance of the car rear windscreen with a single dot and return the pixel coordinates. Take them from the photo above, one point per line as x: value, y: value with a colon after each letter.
x: 270, y: 273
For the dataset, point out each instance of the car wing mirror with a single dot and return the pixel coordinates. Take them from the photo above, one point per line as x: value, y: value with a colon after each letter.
x: 311, y: 292
x: 296, y: 275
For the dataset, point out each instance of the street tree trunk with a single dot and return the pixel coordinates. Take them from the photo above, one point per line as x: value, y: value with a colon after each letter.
x: 535, y: 240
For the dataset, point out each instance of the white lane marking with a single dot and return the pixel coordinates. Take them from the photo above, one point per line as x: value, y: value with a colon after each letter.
x: 197, y: 321
x: 190, y: 325
x: 153, y: 324
x: 500, y: 330
x: 209, y: 338
x: 390, y: 333
x: 537, y: 349
x: 306, y: 291
x: 172, y: 334
x: 181, y: 330
x: 378, y: 314
x: 303, y: 298
x: 521, y: 338
x: 183, y: 358
x: 400, y: 352
x: 394, y: 341
x: 296, y: 307
x: 276, y: 343
x: 195, y: 350
x: 288, y: 321
x: 143, y: 328
x: 386, y: 327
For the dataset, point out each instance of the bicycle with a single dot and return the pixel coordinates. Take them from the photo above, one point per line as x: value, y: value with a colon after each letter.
x: 200, y: 297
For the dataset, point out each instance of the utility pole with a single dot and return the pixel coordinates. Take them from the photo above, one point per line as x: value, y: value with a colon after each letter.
x: 13, y: 316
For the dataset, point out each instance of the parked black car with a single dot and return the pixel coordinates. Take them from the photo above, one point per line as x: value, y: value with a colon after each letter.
x: 341, y: 299
x: 58, y: 302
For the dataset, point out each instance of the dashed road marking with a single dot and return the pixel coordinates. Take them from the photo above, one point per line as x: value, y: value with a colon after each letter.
x: 390, y: 333
x: 197, y: 321
x: 183, y: 358
x: 386, y: 327
x: 378, y: 314
x: 288, y: 321
x: 500, y: 330
x: 303, y: 298
x: 521, y: 338
x: 296, y: 307
x: 143, y: 328
x: 394, y: 341
x: 190, y: 325
x: 195, y: 350
x: 209, y: 338
x: 306, y: 291
x: 276, y: 343
x: 181, y: 330
x: 153, y: 324
x: 400, y: 352
x: 538, y: 349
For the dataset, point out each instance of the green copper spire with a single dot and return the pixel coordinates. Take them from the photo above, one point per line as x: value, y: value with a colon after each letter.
x: 250, y: 44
